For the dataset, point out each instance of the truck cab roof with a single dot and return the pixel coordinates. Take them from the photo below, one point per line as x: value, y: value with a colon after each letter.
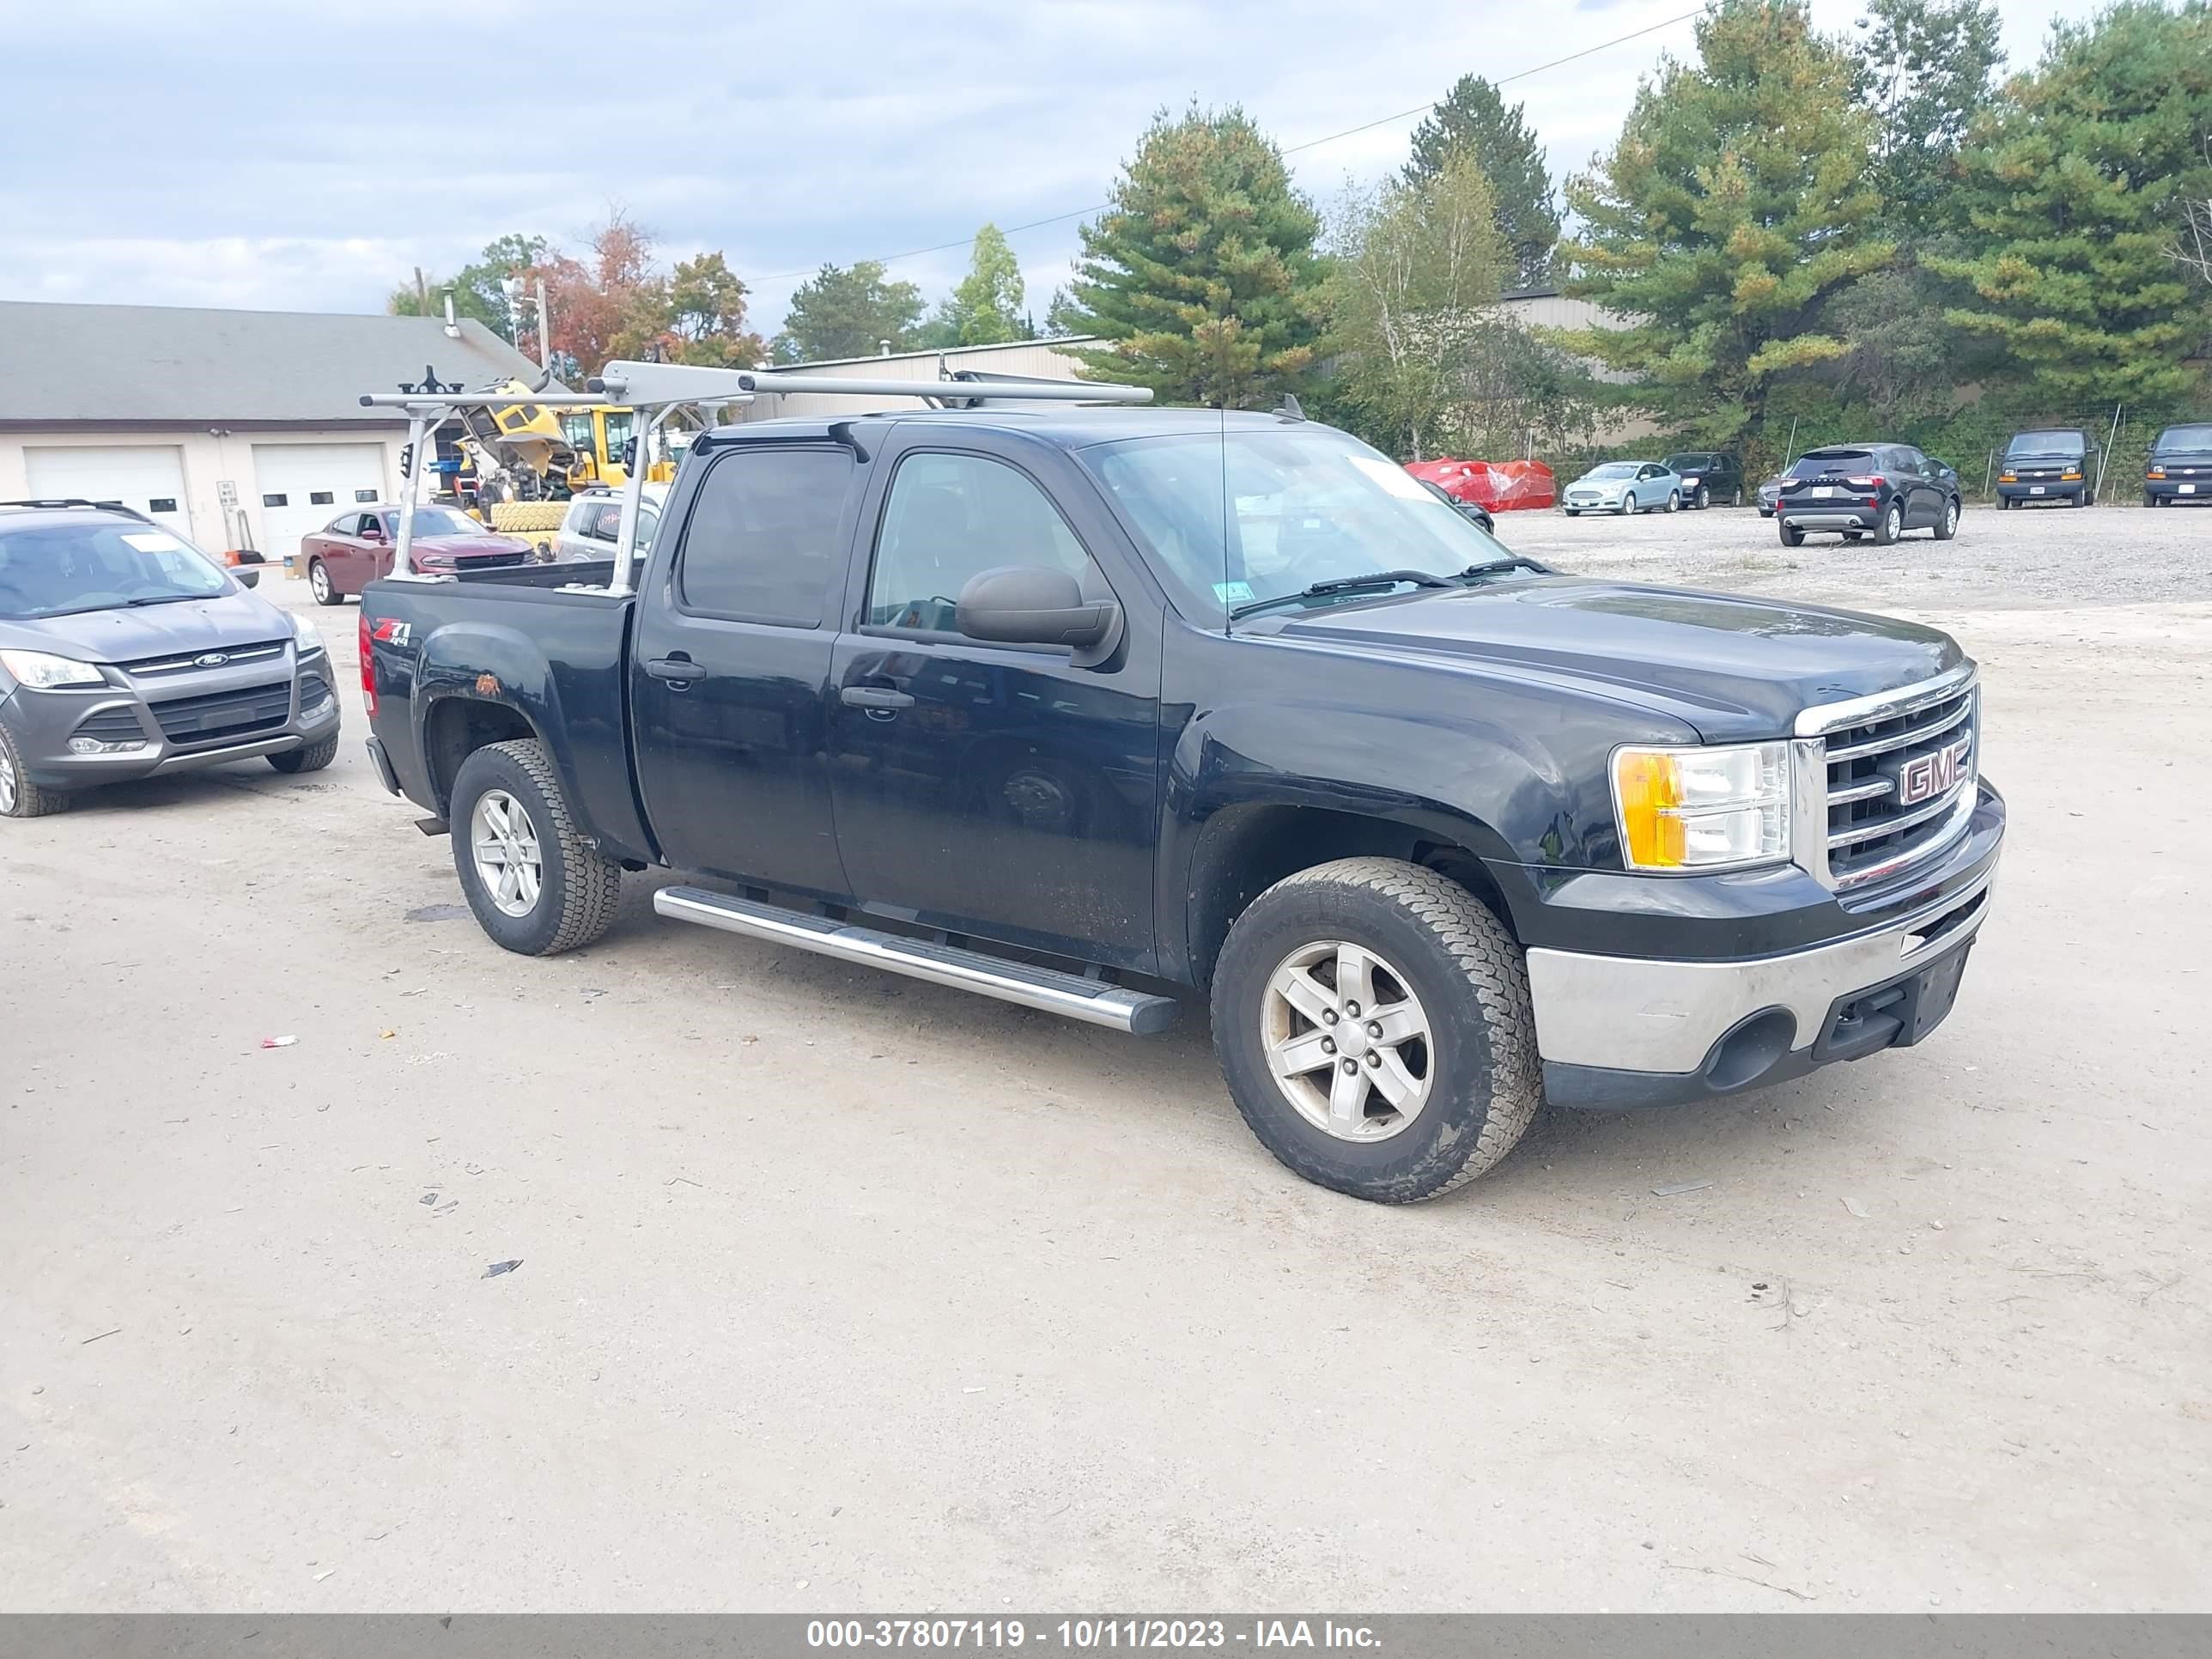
x: 1063, y: 425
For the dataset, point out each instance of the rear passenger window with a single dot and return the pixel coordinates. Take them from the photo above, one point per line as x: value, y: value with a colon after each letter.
x: 950, y: 518
x: 762, y: 541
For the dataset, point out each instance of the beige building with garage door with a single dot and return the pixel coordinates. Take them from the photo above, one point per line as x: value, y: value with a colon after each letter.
x: 236, y: 428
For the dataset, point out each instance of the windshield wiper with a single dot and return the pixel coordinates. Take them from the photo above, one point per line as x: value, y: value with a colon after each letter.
x: 1344, y: 585
x: 169, y: 598
x: 1491, y: 567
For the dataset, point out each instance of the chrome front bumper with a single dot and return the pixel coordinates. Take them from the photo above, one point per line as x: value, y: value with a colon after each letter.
x: 1633, y: 1014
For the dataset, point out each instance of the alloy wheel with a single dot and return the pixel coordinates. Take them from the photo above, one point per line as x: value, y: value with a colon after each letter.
x: 509, y: 862
x: 1348, y: 1042
x: 318, y: 580
x: 7, y: 783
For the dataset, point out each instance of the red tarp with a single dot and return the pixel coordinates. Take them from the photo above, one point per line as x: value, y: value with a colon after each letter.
x: 1501, y: 486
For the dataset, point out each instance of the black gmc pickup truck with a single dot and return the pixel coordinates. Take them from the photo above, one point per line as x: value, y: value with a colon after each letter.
x: 1092, y: 709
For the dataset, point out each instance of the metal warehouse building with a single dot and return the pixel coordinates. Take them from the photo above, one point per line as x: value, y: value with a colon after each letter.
x: 237, y: 428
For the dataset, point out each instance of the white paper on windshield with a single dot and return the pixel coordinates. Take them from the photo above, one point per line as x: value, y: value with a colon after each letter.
x: 1399, y: 481
x: 153, y: 541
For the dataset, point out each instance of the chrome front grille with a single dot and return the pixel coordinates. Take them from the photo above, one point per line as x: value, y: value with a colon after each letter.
x: 150, y: 667
x: 1885, y: 782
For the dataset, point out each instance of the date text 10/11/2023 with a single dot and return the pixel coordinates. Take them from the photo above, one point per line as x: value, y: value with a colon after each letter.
x: 1087, y: 1634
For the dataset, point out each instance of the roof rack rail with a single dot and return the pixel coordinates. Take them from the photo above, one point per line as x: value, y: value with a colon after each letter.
x: 58, y: 502
x: 673, y: 383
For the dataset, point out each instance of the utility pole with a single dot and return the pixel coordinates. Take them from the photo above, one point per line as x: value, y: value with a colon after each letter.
x: 544, y: 330
x: 422, y: 293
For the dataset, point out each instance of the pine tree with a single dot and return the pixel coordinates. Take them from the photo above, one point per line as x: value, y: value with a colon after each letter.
x: 2073, y: 189
x: 1734, y: 204
x: 1472, y: 120
x: 847, y: 314
x: 1202, y: 272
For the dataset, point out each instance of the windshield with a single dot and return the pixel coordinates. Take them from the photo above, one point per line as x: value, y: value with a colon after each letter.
x: 50, y: 569
x: 1614, y: 470
x: 1688, y: 463
x: 435, y: 521
x: 1309, y: 506
x: 2062, y: 446
x: 2193, y: 440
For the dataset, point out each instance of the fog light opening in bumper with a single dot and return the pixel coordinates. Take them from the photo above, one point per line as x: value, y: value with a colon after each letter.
x: 101, y: 746
x: 1751, y: 1050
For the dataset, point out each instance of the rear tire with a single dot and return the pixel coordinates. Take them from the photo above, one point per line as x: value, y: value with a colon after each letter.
x: 1947, y: 525
x: 1447, y: 987
x: 320, y: 585
x: 1891, y: 526
x: 1792, y: 536
x: 1673, y: 500
x: 313, y: 758
x: 570, y: 899
x: 19, y: 797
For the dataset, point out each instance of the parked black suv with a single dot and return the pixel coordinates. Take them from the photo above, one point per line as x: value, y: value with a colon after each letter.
x: 1708, y: 476
x: 1881, y: 490
x: 2056, y: 463
x: 2180, y: 468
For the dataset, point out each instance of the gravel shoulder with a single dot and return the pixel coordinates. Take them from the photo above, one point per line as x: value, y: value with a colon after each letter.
x: 842, y: 1292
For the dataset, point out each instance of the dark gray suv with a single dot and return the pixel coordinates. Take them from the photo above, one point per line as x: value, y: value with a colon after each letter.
x: 125, y: 653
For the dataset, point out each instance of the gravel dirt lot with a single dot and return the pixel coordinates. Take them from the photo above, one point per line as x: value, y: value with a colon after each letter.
x: 838, y: 1291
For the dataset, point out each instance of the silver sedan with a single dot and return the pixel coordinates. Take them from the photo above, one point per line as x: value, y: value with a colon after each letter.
x: 1624, y: 487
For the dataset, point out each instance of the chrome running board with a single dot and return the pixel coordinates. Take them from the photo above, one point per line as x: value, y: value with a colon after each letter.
x: 1093, y: 1001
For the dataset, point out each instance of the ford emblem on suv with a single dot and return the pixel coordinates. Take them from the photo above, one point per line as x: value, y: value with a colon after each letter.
x: 212, y: 660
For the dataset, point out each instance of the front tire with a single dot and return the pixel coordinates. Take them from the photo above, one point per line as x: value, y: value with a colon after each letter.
x: 1403, y: 976
x: 320, y: 585
x: 313, y: 758
x: 1703, y: 499
x: 1573, y: 512
x: 19, y: 797
x: 537, y: 886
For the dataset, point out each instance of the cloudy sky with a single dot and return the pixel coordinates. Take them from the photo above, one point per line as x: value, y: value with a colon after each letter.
x: 305, y: 155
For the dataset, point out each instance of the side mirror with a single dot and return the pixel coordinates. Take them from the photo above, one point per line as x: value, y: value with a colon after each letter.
x: 1029, y: 605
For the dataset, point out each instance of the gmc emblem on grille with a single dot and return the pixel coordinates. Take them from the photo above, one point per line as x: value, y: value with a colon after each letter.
x: 213, y: 660
x: 1928, y: 776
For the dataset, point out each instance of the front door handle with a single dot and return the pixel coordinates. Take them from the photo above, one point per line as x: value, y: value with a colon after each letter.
x: 874, y: 697
x: 681, y: 670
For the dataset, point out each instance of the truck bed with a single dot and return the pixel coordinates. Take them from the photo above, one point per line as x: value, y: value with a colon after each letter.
x: 551, y: 663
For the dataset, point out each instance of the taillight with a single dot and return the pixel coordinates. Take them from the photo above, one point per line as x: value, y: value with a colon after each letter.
x: 368, y: 666
x: 1875, y: 481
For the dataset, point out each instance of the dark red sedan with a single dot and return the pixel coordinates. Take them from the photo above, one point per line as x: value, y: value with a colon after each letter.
x: 356, y: 547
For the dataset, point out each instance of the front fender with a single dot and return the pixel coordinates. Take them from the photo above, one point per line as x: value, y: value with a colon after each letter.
x: 1522, y: 785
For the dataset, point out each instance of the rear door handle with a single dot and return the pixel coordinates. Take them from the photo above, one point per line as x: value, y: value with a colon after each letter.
x: 680, y: 670
x: 874, y: 697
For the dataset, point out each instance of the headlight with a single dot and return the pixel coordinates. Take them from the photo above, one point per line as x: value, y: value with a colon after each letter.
x: 1703, y: 809
x: 304, y: 633
x: 41, y: 671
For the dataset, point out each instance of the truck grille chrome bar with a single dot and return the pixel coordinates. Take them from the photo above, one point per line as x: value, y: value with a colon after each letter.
x: 1885, y: 781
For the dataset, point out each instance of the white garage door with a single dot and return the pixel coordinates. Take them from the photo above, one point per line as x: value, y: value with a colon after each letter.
x: 302, y: 486
x: 147, y: 478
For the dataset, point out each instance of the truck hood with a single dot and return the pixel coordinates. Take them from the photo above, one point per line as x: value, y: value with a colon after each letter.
x: 188, y: 627
x: 1732, y: 668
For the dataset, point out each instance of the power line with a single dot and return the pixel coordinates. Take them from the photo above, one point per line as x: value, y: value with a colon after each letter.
x: 1294, y: 150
